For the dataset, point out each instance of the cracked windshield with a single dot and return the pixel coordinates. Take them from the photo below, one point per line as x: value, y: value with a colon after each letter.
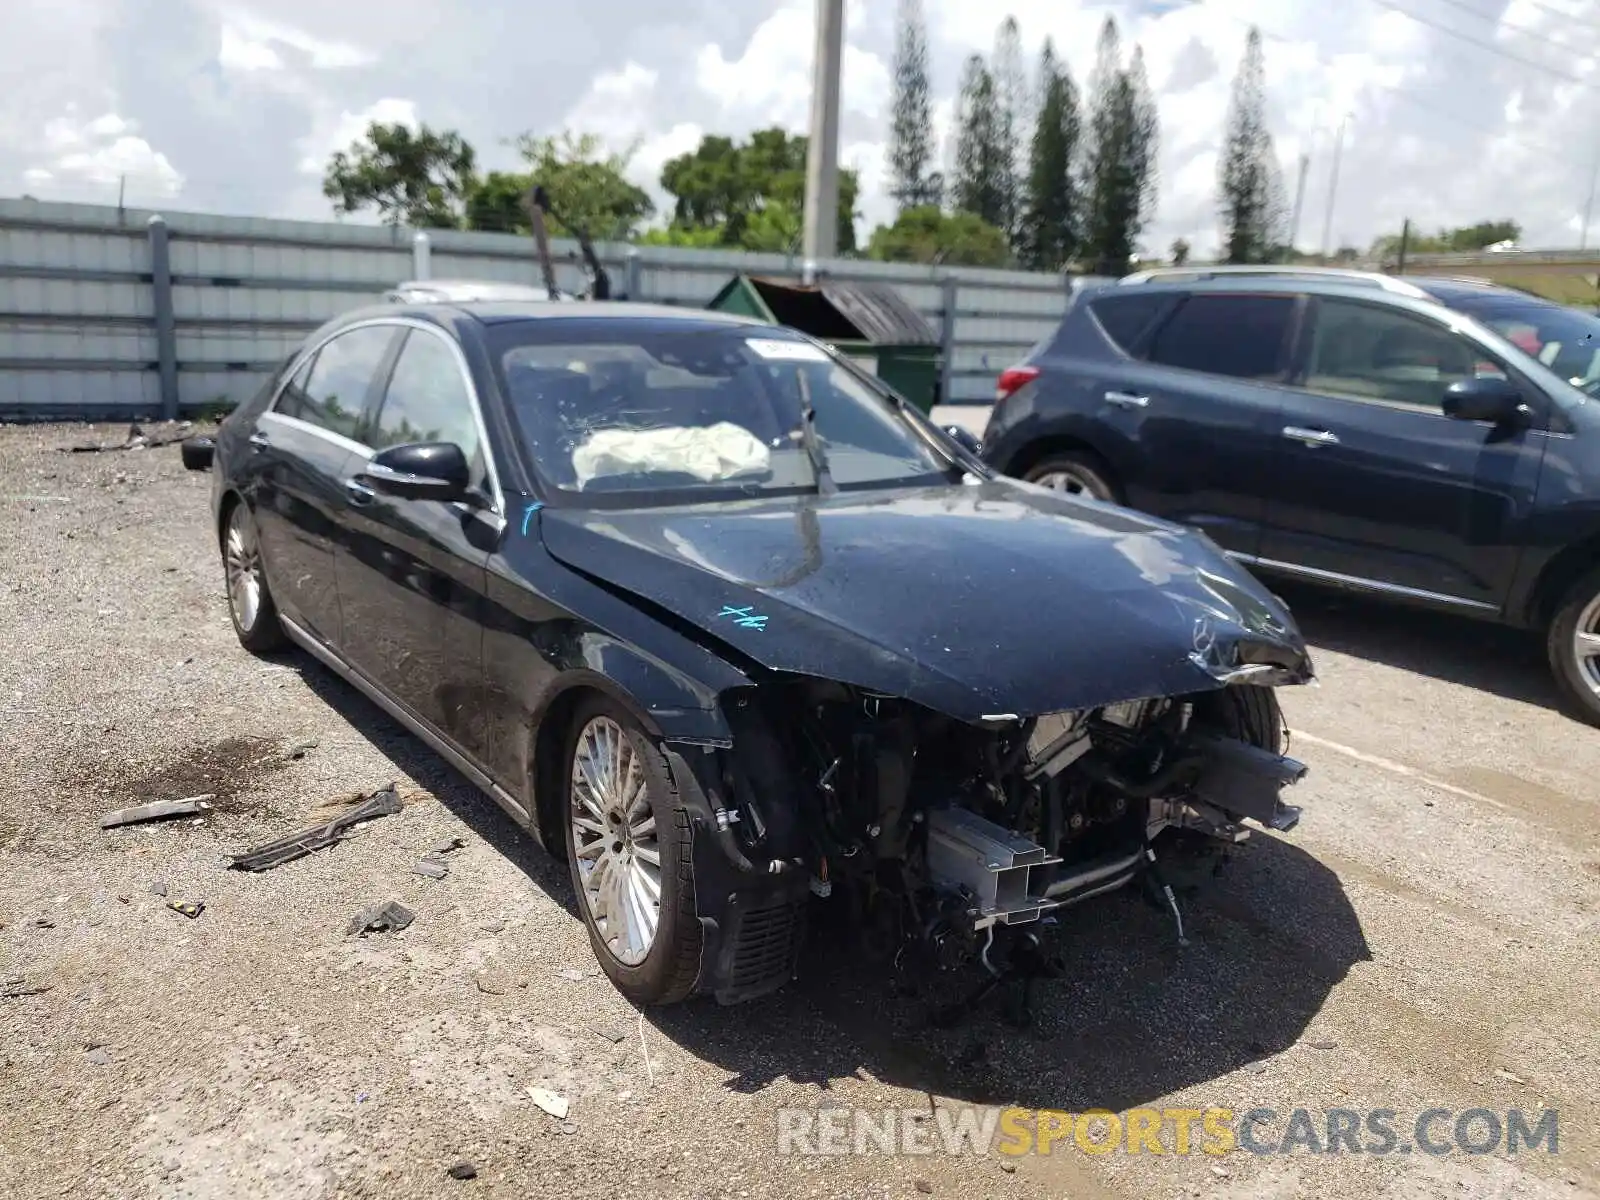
x: 646, y: 410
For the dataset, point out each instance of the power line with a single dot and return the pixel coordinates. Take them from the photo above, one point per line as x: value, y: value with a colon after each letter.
x: 1489, y: 47
x: 1563, y: 14
x: 1519, y: 29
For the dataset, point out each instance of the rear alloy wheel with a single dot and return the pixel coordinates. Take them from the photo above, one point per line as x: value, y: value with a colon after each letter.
x: 1574, y: 646
x: 628, y: 843
x: 255, y: 616
x: 1075, y: 474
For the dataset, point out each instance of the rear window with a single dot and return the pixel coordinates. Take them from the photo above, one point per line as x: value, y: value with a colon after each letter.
x: 1127, y: 315
x: 1241, y: 337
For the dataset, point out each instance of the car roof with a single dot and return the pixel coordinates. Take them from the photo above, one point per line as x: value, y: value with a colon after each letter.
x: 500, y: 312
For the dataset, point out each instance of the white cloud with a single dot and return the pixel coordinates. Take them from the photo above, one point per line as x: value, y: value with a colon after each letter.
x: 235, y: 106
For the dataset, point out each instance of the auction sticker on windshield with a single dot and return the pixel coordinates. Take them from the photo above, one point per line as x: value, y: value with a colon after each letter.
x: 782, y: 350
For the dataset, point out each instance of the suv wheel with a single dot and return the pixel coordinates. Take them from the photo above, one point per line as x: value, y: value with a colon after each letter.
x: 1574, y: 646
x: 1076, y: 473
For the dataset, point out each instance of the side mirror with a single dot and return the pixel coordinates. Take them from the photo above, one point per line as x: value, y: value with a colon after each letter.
x: 969, y: 440
x: 420, y: 471
x: 1483, y: 399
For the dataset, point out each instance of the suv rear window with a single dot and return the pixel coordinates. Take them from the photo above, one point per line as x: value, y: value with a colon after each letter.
x: 1238, y: 336
x: 1125, y: 316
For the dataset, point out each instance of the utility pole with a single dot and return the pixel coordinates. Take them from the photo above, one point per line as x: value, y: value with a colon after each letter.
x: 821, y: 235
x: 1333, y: 190
x: 1299, y: 201
x: 1588, y: 207
x: 1405, y: 244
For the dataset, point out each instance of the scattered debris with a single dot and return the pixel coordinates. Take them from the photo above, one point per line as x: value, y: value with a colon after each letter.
x: 99, y: 1056
x: 44, y: 923
x: 159, y: 811
x: 1508, y: 1076
x: 1220, y: 1172
x: 381, y: 918
x: 431, y: 866
x: 1010, y: 1168
x: 136, y: 439
x: 567, y: 1127
x: 614, y: 1036
x: 300, y: 749
x: 125, y: 899
x: 463, y: 1170
x: 14, y: 987
x: 1324, y: 1045
x: 923, y: 1186
x: 492, y: 926
x: 450, y: 845
x: 648, y: 1069
x: 493, y: 983
x: 382, y: 803
x: 552, y: 1103
x: 189, y: 908
x: 573, y: 974
x: 158, y: 888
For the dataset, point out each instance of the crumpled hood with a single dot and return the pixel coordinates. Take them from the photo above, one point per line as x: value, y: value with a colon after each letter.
x: 999, y: 598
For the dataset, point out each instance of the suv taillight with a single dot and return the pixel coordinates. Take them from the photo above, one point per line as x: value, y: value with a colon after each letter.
x: 1013, y: 378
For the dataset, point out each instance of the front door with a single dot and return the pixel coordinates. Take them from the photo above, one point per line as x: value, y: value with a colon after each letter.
x: 1373, y: 484
x: 412, y: 575
x: 301, y: 450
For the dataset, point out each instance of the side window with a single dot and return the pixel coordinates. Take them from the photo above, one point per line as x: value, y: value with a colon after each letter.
x: 427, y: 399
x: 1377, y: 353
x: 1234, y: 335
x: 293, y: 401
x: 330, y: 390
x: 1126, y: 316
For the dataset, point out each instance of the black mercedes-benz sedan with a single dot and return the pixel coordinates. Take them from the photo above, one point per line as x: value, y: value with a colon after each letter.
x: 737, y: 631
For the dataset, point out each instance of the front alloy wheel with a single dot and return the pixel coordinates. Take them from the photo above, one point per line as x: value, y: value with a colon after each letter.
x: 1574, y: 646
x: 628, y: 842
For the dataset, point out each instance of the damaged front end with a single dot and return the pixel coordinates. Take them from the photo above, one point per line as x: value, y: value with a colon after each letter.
x: 928, y: 833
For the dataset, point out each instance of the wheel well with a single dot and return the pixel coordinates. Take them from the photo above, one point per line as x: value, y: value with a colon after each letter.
x: 1558, y: 575
x: 549, y: 760
x: 224, y: 511
x: 1038, y: 451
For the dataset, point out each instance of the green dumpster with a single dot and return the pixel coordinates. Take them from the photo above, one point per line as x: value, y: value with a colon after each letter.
x: 871, y: 323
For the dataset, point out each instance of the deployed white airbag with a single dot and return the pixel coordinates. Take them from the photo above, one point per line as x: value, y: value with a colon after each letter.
x: 709, y: 453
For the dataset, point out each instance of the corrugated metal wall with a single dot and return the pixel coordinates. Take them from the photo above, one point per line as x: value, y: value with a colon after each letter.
x: 81, y: 308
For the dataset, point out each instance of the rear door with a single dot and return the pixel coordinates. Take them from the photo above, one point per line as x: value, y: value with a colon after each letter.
x: 301, y: 448
x: 1195, y: 408
x: 1373, y: 484
x: 412, y: 572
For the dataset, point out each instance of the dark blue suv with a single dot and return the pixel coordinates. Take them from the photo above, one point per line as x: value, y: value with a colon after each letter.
x: 1436, y: 441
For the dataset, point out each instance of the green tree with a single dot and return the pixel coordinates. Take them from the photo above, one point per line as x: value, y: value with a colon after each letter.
x: 752, y: 195
x: 980, y: 185
x: 1012, y: 102
x: 417, y: 177
x: 1118, y: 177
x: 929, y: 235
x: 1250, y: 183
x: 914, y: 182
x: 587, y: 185
x: 1463, y: 240
x: 1049, y: 231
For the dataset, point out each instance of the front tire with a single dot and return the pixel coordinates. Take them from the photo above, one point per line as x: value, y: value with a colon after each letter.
x: 1573, y: 646
x: 250, y: 604
x: 628, y: 844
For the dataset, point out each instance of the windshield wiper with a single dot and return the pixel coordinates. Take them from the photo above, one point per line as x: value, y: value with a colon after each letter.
x: 809, y: 439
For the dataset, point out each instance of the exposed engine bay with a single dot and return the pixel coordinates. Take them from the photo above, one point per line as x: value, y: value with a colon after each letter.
x: 937, y: 833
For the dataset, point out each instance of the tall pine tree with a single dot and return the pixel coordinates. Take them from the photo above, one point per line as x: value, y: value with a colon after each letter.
x: 1118, y: 175
x: 1049, y: 234
x: 911, y: 150
x: 980, y: 168
x: 1011, y: 97
x: 1250, y: 182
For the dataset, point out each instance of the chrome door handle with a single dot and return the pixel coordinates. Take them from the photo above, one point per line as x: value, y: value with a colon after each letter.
x: 1310, y: 437
x: 1127, y: 399
x: 359, y: 492
x: 260, y: 440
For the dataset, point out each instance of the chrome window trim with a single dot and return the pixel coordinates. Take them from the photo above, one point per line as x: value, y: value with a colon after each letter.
x: 497, y: 498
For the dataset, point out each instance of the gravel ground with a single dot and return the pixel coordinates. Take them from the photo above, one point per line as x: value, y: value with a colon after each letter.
x: 1426, y: 938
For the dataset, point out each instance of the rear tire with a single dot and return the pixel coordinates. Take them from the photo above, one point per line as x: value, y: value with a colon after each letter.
x: 629, y: 848
x: 250, y: 604
x: 1077, y: 473
x: 1573, y: 646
